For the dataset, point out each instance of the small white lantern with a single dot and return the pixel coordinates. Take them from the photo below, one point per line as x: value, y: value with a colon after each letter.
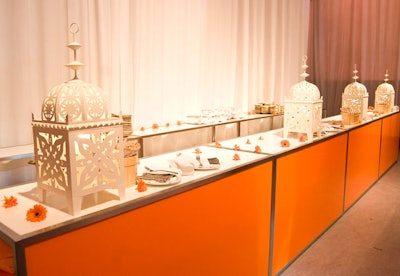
x: 303, y: 109
x: 79, y: 149
x: 354, y: 101
x: 384, y: 97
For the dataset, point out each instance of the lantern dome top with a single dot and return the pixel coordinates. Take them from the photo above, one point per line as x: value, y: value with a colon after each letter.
x: 385, y: 87
x: 304, y: 90
x: 355, y: 88
x: 74, y: 101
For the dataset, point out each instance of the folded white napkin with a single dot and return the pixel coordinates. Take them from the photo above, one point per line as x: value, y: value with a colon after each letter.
x: 184, y: 162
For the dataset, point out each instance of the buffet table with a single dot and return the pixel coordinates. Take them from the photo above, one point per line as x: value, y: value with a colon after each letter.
x: 252, y: 216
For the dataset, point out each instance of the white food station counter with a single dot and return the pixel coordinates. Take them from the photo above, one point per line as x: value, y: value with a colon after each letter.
x: 253, y: 215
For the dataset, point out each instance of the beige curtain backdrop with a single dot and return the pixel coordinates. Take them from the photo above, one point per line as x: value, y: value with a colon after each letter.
x: 158, y: 60
x: 348, y: 32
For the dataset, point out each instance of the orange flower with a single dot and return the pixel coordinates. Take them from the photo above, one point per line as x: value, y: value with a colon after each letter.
x: 141, y: 186
x: 142, y: 128
x: 154, y: 126
x: 37, y: 213
x: 218, y: 144
x: 236, y: 147
x: 9, y: 202
x: 302, y: 138
x: 236, y: 157
x: 248, y: 141
x: 179, y: 123
x: 258, y: 149
x: 167, y: 124
x: 285, y: 143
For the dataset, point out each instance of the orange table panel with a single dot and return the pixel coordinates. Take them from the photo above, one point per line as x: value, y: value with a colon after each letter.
x: 221, y: 228
x: 309, y: 197
x: 362, y: 160
x: 389, y: 142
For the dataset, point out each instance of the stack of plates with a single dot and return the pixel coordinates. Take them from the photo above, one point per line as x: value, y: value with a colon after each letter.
x: 127, y: 124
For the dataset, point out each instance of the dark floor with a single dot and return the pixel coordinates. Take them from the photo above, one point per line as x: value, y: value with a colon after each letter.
x: 364, y: 241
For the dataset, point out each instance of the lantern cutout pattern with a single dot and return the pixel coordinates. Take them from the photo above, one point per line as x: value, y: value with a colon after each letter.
x: 79, y: 149
x: 354, y: 102
x: 384, y: 97
x: 303, y: 108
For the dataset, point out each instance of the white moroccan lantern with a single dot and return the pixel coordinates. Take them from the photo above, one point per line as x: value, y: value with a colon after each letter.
x: 384, y: 97
x: 79, y: 149
x: 303, y: 109
x: 354, y: 102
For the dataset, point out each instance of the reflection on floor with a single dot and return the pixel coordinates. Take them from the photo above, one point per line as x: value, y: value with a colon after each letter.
x: 364, y: 241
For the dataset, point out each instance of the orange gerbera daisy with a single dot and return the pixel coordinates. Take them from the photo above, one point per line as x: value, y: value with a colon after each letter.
x: 285, y: 143
x: 303, y: 138
x: 9, y: 202
x: 37, y: 213
x: 257, y: 149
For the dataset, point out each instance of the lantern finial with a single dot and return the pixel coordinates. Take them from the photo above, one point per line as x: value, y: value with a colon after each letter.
x: 74, y: 65
x: 355, y: 71
x: 304, y: 75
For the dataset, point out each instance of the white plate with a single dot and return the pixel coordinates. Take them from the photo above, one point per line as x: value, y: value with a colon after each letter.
x: 174, y: 180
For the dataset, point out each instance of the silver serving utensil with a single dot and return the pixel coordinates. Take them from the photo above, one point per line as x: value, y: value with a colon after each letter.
x: 199, y: 160
x: 160, y: 170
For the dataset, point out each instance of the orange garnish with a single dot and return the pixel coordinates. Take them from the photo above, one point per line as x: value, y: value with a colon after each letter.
x: 141, y: 186
x: 236, y: 157
x: 37, y: 213
x: 154, y: 126
x: 142, y: 128
x: 257, y: 149
x: 9, y: 202
x: 218, y: 144
x: 248, y: 142
x: 236, y: 147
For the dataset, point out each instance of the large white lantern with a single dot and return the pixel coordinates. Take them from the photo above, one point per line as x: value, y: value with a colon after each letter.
x: 384, y: 97
x: 79, y: 149
x: 354, y: 102
x: 303, y: 108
